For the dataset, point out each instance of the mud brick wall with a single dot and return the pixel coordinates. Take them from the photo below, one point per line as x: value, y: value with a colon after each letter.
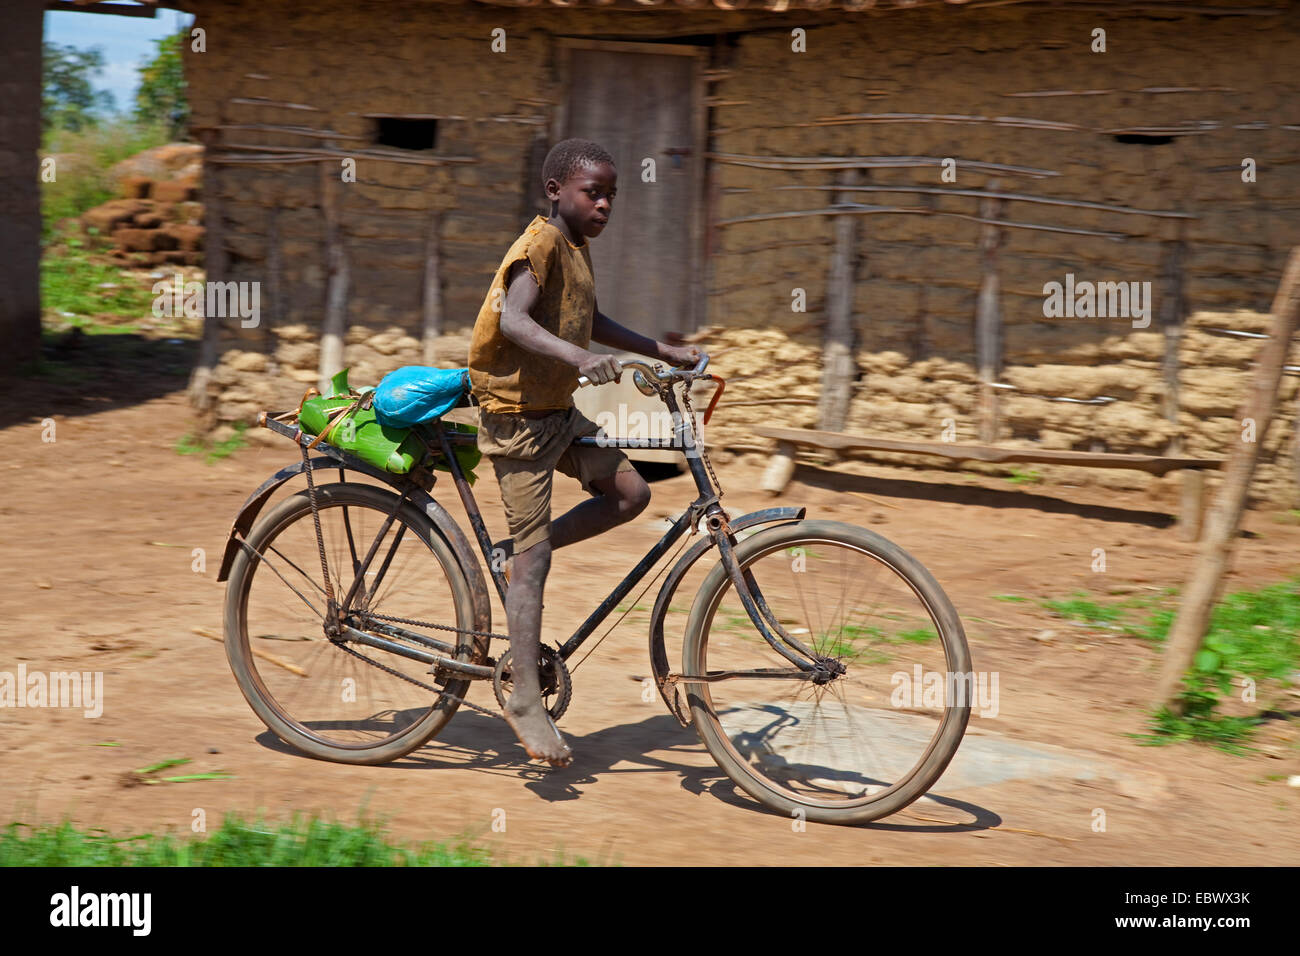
x: 1199, y: 93
x: 343, y: 60
x: 917, y: 276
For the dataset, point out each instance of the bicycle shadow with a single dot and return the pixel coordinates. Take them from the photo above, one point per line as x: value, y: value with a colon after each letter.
x: 482, y: 744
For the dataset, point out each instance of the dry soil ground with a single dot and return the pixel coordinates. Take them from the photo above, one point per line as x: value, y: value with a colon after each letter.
x: 99, y: 528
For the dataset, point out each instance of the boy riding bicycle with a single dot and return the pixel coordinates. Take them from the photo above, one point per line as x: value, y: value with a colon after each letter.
x: 530, y: 344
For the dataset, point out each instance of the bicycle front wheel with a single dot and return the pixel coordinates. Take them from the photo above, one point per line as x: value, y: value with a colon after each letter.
x: 867, y: 741
x: 342, y: 699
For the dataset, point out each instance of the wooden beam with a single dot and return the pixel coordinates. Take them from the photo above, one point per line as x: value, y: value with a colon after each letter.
x: 336, y: 283
x: 839, y: 367
x: 214, y: 270
x: 20, y: 188
x: 116, y: 9
x: 274, y: 286
x: 1192, y: 622
x: 432, y: 287
x: 779, y: 469
x: 844, y: 444
x: 1173, y: 312
x: 988, y: 317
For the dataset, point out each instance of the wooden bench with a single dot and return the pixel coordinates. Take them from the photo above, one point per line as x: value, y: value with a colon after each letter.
x: 789, y: 440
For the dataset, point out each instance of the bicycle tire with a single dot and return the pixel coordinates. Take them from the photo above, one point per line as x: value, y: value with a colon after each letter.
x: 757, y: 764
x: 411, y: 726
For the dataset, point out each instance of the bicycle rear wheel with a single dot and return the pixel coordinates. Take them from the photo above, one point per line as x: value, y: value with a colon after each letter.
x: 863, y: 743
x: 315, y: 693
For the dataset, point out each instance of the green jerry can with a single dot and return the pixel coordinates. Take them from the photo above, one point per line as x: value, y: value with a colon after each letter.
x: 396, y: 450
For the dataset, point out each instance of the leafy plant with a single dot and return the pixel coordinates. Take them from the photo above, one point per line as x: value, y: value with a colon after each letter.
x: 1029, y: 477
x: 1079, y: 609
x: 300, y: 842
x: 161, y: 96
x: 191, y: 444
x: 1254, y: 637
x: 68, y: 98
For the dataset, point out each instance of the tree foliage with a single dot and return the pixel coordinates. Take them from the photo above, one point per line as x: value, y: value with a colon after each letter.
x: 161, y: 97
x: 68, y: 100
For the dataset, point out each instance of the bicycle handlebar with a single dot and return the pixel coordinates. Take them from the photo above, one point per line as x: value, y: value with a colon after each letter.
x: 670, y: 375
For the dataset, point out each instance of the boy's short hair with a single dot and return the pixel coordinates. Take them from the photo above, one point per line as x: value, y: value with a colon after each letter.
x: 568, y: 156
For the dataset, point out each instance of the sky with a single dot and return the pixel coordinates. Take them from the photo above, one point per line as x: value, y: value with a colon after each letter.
x: 125, y: 41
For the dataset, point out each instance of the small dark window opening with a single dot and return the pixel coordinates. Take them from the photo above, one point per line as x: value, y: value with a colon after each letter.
x: 1141, y: 139
x: 406, y: 133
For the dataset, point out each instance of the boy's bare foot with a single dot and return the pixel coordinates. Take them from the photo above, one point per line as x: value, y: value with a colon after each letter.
x: 536, y: 731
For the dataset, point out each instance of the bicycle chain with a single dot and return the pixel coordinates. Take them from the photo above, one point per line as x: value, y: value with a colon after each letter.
x: 311, y: 494
x: 418, y: 683
x: 440, y: 627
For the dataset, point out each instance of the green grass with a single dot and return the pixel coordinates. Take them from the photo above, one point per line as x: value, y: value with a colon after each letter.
x: 189, y: 444
x: 81, y: 292
x: 1010, y: 598
x: 1077, y: 608
x: 301, y: 842
x: 1030, y: 477
x: 1253, y: 635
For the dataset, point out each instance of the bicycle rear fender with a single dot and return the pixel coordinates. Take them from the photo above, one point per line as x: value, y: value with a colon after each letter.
x: 658, y: 653
x: 443, y: 523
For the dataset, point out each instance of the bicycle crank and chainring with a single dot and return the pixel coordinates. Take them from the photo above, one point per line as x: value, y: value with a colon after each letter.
x: 553, y: 676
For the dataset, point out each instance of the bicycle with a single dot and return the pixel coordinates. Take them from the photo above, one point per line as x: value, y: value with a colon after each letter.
x: 817, y: 711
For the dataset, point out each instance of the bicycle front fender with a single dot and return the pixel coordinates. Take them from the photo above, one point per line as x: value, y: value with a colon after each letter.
x: 658, y: 652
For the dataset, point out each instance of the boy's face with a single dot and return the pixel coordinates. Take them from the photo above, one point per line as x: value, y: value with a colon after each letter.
x: 586, y: 200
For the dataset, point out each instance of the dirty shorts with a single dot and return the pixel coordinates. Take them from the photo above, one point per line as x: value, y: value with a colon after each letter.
x: 526, y: 453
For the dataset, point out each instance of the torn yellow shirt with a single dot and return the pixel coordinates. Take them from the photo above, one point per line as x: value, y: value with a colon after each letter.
x: 505, y: 377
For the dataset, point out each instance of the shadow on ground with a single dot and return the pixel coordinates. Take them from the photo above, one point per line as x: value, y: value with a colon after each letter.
x: 983, y: 497
x: 83, y: 374
x: 475, y: 742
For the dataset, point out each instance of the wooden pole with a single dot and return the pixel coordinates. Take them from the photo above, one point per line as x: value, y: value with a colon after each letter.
x: 20, y: 185
x: 274, y: 288
x: 1221, y: 527
x: 1295, y: 455
x: 432, y: 287
x: 214, y: 270
x: 988, y: 317
x: 838, y: 365
x: 336, y: 283
x: 1172, y: 315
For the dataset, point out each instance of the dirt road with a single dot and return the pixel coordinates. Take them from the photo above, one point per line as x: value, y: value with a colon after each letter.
x: 97, y: 552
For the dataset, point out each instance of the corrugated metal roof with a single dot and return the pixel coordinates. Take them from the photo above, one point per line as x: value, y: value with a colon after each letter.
x: 779, y: 6
x: 773, y: 6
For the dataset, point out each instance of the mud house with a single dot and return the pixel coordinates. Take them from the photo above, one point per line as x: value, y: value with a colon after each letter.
x: 859, y: 207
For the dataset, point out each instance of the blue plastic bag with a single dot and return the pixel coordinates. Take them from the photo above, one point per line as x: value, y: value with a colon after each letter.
x: 416, y: 394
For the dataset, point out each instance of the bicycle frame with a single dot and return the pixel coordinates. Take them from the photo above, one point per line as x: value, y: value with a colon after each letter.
x: 706, y: 506
x: 720, y: 530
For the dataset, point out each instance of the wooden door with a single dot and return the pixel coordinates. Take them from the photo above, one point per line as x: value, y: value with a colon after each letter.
x: 640, y: 101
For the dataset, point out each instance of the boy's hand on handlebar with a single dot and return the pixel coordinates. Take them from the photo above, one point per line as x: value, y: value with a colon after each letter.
x: 682, y: 356
x: 600, y: 369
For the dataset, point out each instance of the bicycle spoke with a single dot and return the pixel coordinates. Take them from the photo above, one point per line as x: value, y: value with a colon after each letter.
x: 261, y: 559
x: 383, y: 568
x: 843, y: 739
x: 346, y: 700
